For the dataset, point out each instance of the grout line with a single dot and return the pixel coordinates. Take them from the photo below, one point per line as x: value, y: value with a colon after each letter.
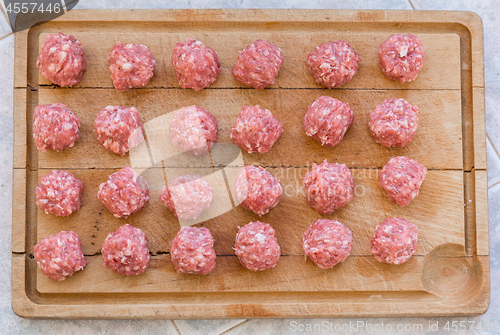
x: 6, y: 17
x: 415, y: 5
x: 493, y: 185
x: 491, y: 143
x: 236, y: 325
x: 5, y: 36
x: 176, y: 328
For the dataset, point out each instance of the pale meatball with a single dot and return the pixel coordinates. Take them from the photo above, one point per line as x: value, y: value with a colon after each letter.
x: 193, y: 130
x: 187, y: 196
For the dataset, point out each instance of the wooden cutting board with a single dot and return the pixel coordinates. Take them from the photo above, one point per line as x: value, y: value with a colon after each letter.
x: 449, y: 273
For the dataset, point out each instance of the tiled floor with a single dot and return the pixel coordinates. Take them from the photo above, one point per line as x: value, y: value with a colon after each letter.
x: 490, y: 13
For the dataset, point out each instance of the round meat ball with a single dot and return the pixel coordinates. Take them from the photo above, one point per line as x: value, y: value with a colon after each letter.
x: 61, y: 60
x: 258, y: 64
x: 327, y: 242
x: 333, y: 64
x: 119, y: 129
x: 60, y: 255
x: 196, y: 65
x: 394, y: 123
x: 131, y: 66
x: 256, y: 246
x: 328, y: 186
x: 193, y: 130
x: 394, y: 241
x: 401, y: 57
x: 192, y: 251
x: 125, y: 193
x: 256, y: 129
x: 59, y: 193
x: 187, y: 196
x: 55, y: 127
x: 327, y: 120
x: 257, y: 190
x: 401, y: 178
x: 125, y: 251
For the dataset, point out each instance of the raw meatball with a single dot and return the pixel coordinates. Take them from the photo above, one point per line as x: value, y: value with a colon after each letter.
x: 394, y: 241
x: 59, y: 193
x: 192, y: 251
x: 131, y: 66
x: 187, y: 196
x: 59, y: 255
x: 401, y: 178
x: 327, y: 242
x: 193, y: 130
x: 119, y: 129
x: 257, y: 247
x: 196, y: 65
x: 257, y: 190
x: 258, y: 64
x: 328, y: 186
x: 327, y: 120
x: 125, y: 251
x: 401, y: 57
x: 256, y: 129
x: 125, y: 193
x: 333, y: 64
x: 394, y: 123
x: 61, y: 60
x: 55, y: 127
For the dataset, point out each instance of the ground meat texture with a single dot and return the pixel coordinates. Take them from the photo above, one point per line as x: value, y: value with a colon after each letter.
x: 187, y: 196
x: 119, y: 129
x: 59, y: 193
x: 333, y: 64
x: 258, y: 64
x: 125, y: 251
x: 401, y: 57
x: 394, y: 123
x: 196, y: 65
x: 125, y: 193
x: 61, y: 60
x: 192, y: 251
x: 327, y: 242
x: 328, y: 186
x: 257, y: 190
x: 256, y: 129
x: 131, y: 66
x: 59, y: 255
x: 327, y: 120
x: 394, y: 241
x: 193, y: 130
x: 256, y: 246
x: 55, y: 127
x: 401, y: 178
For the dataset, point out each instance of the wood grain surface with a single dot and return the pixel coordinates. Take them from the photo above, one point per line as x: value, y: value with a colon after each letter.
x: 449, y: 273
